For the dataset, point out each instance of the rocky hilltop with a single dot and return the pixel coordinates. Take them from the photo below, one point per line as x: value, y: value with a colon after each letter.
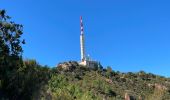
x: 72, y: 81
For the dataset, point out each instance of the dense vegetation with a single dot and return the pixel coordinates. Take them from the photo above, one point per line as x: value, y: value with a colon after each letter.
x: 82, y: 83
x: 27, y: 80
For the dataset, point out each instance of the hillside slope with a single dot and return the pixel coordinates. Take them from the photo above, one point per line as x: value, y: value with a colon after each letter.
x: 81, y: 83
x: 70, y: 81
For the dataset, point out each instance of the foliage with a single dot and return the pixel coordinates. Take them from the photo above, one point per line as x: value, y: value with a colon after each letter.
x: 99, y: 85
x: 10, y: 55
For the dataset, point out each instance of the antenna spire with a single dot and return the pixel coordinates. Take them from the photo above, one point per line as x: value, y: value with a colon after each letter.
x: 81, y: 25
x: 82, y: 40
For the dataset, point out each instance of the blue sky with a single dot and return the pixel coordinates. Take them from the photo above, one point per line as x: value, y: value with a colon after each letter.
x: 129, y: 35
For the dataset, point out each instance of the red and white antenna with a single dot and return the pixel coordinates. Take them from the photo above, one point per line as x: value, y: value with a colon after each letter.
x: 83, y: 57
x: 81, y: 25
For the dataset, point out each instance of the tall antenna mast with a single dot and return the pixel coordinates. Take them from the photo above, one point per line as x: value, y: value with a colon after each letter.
x: 82, y: 48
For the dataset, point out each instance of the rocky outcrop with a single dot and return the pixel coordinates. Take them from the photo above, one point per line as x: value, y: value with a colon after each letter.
x: 67, y: 66
x: 157, y: 86
x: 160, y: 87
x: 109, y: 81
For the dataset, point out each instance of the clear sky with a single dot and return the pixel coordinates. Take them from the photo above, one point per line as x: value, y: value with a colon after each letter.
x: 129, y: 35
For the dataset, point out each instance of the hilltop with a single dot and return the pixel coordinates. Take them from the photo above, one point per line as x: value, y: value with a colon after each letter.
x: 82, y: 83
x: 71, y: 81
